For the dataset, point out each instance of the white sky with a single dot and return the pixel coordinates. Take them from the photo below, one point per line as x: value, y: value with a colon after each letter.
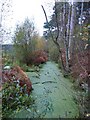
x: 22, y: 9
x: 31, y: 9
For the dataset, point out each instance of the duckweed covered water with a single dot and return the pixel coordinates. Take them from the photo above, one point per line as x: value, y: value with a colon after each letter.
x: 53, y: 95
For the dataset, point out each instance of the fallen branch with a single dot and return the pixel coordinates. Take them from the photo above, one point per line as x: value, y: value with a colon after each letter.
x: 48, y: 82
x: 36, y: 83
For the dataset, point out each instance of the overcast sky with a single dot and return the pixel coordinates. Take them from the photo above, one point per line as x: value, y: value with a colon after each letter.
x: 32, y: 9
x: 21, y: 9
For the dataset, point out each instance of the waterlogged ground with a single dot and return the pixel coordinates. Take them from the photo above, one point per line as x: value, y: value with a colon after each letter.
x: 53, y: 95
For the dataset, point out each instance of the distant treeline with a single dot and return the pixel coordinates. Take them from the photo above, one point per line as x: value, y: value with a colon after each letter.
x: 7, y: 47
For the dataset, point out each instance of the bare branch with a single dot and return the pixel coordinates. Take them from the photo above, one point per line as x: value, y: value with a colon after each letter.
x: 57, y: 22
x: 47, y: 22
x: 55, y: 41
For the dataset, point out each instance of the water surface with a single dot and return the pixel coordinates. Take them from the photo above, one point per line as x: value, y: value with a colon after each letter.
x: 53, y: 95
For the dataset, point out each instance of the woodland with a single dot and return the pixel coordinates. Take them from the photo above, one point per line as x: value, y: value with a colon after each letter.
x: 62, y: 52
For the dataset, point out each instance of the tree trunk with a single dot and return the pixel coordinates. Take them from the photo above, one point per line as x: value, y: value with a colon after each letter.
x: 67, y: 40
x: 72, y: 25
x: 66, y: 27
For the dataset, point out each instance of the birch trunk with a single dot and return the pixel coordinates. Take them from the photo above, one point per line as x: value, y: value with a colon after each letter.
x: 67, y: 41
x: 66, y: 27
x: 72, y: 25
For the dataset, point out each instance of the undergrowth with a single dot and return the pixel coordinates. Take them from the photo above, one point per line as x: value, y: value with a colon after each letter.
x: 14, y: 99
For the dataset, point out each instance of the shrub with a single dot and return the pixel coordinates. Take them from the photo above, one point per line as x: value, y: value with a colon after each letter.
x: 13, y: 99
x: 39, y: 57
x: 39, y: 60
x: 15, y: 91
x: 25, y: 68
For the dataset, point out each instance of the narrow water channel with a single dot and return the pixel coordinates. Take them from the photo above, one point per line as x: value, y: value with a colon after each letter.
x: 53, y: 95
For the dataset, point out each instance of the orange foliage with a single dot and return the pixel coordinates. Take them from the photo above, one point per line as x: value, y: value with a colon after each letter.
x: 17, y: 74
x: 23, y: 79
x: 39, y: 57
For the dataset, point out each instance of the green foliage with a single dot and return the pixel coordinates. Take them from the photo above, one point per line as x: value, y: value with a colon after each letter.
x: 54, y: 54
x: 13, y: 99
x: 22, y: 41
x: 25, y: 68
x: 53, y: 51
x: 26, y: 41
x: 32, y: 68
x: 7, y: 58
